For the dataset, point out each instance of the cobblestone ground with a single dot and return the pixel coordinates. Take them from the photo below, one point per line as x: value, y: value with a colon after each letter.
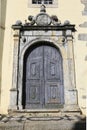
x: 65, y: 121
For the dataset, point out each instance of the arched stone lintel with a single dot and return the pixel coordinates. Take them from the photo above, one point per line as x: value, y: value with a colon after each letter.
x: 50, y: 41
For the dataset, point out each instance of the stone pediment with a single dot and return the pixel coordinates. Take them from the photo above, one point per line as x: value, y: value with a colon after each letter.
x: 42, y: 19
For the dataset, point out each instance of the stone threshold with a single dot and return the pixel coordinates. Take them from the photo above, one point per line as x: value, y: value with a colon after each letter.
x: 36, y: 110
x: 43, y: 111
x: 40, y: 114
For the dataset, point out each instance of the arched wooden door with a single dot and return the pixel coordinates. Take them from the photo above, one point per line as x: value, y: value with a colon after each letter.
x: 44, y: 78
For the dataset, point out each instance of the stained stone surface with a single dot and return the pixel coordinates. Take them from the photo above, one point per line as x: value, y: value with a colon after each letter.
x: 82, y: 37
x: 84, y: 25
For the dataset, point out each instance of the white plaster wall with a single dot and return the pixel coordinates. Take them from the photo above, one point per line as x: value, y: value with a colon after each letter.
x: 20, y: 10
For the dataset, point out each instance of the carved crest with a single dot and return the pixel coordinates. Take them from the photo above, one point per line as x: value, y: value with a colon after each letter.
x: 42, y: 19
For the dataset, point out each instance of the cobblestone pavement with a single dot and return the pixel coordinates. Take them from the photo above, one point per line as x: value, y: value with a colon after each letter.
x: 35, y: 117
x: 65, y: 121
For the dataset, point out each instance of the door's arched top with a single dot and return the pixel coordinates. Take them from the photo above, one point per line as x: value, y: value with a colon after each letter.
x: 43, y: 41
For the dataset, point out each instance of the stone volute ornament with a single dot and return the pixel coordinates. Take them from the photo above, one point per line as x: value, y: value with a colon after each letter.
x: 41, y: 19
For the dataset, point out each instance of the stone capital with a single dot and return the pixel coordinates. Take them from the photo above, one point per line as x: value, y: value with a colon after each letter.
x: 16, y: 34
x: 69, y: 38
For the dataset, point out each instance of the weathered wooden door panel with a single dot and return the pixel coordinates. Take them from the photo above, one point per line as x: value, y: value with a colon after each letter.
x: 52, y: 93
x: 34, y: 75
x: 44, y: 86
x: 52, y: 63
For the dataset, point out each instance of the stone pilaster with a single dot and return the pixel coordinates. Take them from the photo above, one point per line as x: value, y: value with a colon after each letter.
x: 70, y: 58
x: 14, y: 89
x: 71, y: 92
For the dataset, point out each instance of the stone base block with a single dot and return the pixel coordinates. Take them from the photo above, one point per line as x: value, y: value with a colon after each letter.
x: 13, y: 99
x: 71, y: 108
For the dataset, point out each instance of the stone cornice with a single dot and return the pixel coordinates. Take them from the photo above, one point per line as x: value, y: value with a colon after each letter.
x: 45, y: 28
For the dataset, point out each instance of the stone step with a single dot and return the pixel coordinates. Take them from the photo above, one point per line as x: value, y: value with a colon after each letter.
x: 43, y: 113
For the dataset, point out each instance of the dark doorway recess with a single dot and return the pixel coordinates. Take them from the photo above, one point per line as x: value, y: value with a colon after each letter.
x: 43, y: 77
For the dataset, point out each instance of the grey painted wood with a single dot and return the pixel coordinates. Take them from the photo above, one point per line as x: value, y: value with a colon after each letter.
x: 44, y: 80
x: 34, y: 75
x: 53, y: 79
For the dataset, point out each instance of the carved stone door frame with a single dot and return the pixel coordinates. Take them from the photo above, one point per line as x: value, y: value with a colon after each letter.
x: 70, y: 92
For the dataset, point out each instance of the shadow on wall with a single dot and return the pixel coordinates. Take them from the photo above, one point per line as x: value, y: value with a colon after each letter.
x: 80, y: 125
x: 2, y: 30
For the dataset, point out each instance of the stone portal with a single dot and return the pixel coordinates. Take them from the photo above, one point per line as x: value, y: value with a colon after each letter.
x: 43, y: 67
